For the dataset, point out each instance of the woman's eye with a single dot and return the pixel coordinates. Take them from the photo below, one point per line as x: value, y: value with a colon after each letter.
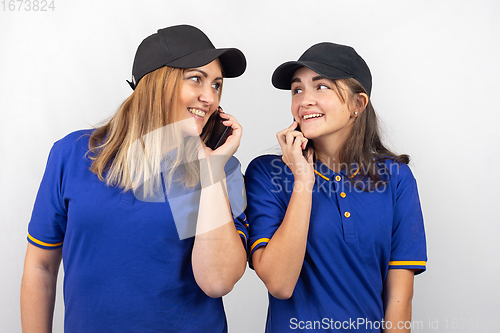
x: 195, y: 79
x: 296, y: 91
x: 323, y: 86
x: 216, y: 86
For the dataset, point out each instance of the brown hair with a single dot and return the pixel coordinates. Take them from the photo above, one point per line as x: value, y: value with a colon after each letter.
x: 363, y: 148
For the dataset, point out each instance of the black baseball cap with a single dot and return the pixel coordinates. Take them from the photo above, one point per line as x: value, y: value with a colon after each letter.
x: 183, y: 46
x: 333, y: 61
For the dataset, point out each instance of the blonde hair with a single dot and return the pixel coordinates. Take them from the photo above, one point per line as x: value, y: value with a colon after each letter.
x: 129, y: 151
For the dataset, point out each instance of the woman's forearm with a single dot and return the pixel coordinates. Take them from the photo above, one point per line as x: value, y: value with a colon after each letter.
x: 219, y: 255
x: 398, y: 295
x: 398, y: 313
x: 38, y: 289
x: 280, y: 262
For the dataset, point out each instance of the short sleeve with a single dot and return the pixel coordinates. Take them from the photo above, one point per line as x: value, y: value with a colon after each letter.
x: 266, y: 206
x: 47, y: 226
x: 237, y: 197
x: 408, y: 244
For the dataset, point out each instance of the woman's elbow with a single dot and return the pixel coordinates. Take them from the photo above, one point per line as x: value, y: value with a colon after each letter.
x: 277, y: 285
x: 280, y: 290
x: 281, y: 294
x: 218, y: 285
x: 216, y: 289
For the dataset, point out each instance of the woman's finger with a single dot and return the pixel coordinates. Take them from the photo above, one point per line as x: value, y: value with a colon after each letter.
x: 288, y: 135
x: 304, y: 143
x: 281, y: 134
x: 292, y: 136
x: 231, y: 121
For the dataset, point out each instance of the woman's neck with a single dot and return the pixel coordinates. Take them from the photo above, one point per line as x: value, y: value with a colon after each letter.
x: 328, y: 147
x: 328, y: 152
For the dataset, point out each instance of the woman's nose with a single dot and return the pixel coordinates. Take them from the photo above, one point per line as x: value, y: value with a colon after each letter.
x: 308, y: 98
x: 207, y: 95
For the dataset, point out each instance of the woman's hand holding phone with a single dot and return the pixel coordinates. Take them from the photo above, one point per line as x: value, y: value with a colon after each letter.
x: 225, y: 142
x: 231, y: 144
x: 218, y: 131
x: 293, y: 143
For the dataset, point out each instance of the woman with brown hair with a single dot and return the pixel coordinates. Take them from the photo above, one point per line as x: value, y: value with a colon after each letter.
x: 138, y: 208
x: 336, y: 229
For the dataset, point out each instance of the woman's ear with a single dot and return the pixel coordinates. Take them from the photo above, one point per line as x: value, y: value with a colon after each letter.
x: 362, y: 101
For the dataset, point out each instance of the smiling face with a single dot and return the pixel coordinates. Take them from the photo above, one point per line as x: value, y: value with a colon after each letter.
x: 199, y: 96
x: 318, y: 109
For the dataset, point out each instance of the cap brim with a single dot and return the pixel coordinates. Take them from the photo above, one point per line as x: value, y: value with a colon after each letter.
x: 283, y: 75
x: 232, y: 60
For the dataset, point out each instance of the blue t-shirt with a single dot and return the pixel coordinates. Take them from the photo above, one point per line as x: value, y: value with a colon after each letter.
x: 354, y: 237
x: 126, y: 268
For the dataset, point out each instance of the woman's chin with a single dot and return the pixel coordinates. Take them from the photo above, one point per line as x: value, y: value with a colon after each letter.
x: 191, y: 128
x: 308, y: 134
x: 192, y: 132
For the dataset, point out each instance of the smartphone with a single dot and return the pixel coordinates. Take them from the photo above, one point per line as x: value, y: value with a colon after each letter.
x: 215, y: 130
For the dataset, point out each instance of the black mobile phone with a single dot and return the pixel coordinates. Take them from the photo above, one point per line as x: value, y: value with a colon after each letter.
x: 216, y: 131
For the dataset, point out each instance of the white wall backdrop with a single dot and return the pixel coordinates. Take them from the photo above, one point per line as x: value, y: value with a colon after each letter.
x: 436, y: 83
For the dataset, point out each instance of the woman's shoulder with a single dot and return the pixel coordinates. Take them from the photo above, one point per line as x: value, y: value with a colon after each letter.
x: 80, y: 136
x: 266, y: 162
x: 398, y: 171
x: 77, y: 141
x: 266, y: 167
x: 68, y: 151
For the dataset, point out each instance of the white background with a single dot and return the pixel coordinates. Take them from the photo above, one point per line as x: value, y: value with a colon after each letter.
x: 436, y: 85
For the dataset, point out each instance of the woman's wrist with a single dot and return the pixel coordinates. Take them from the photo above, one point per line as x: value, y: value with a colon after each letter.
x: 212, y: 170
x: 303, y: 184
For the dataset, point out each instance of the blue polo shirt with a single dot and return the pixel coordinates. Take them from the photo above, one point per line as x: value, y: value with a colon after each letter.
x: 126, y: 266
x: 354, y: 237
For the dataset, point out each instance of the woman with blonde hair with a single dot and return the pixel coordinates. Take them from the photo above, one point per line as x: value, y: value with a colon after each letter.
x: 138, y: 208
